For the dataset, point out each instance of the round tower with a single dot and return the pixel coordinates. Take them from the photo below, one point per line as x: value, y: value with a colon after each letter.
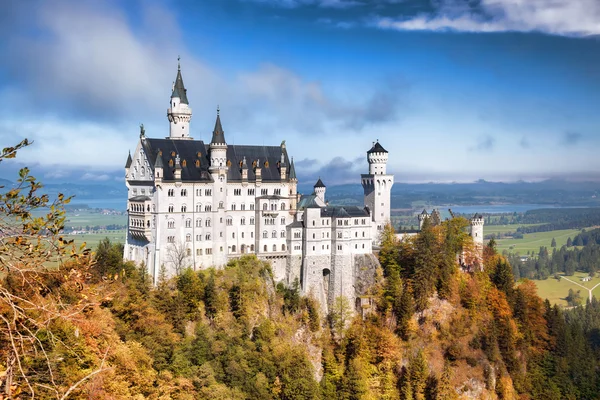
x: 477, y: 229
x: 179, y: 111
x: 320, y: 190
x: 377, y: 157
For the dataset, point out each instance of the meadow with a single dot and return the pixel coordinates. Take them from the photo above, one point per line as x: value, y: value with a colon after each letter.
x: 557, y: 290
x: 533, y: 241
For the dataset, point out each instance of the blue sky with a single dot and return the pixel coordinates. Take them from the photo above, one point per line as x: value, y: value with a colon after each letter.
x: 456, y: 90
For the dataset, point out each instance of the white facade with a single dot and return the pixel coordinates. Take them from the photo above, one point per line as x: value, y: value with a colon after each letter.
x: 199, y: 205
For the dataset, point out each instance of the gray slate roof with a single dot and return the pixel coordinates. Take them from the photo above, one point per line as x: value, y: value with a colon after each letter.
x: 292, y: 170
x: 192, y: 150
x: 344, y: 212
x: 377, y: 148
x: 179, y: 89
x: 129, y: 161
x: 218, y: 136
x: 319, y: 184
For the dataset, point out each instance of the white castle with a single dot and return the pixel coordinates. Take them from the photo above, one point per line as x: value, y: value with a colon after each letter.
x: 198, y: 205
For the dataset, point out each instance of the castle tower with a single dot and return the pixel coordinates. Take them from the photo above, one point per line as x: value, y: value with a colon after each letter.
x: 477, y: 229
x: 377, y: 186
x: 218, y: 169
x: 320, y: 190
x: 179, y: 111
x: 422, y: 218
x: 293, y: 188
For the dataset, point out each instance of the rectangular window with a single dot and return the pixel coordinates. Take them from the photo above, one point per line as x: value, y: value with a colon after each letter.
x: 198, y: 252
x: 208, y: 251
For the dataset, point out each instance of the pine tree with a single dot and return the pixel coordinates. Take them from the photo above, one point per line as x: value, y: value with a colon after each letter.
x: 426, y: 265
x: 418, y: 375
x: 553, y: 244
x: 445, y: 391
x: 404, y: 313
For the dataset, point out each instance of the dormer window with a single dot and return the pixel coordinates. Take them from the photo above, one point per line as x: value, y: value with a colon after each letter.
x: 184, y: 163
x: 197, y: 163
x: 171, y: 162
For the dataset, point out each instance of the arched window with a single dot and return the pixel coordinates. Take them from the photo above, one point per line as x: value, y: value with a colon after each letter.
x: 251, y: 247
x: 233, y: 248
x: 274, y: 247
x: 188, y: 223
x: 265, y: 234
x: 221, y: 204
x: 283, y: 247
x: 273, y: 207
x: 199, y: 223
x: 171, y: 224
x: 274, y: 234
x: 233, y: 206
x: 207, y: 223
x: 282, y: 207
x: 199, y: 207
x: 229, y: 221
x: 265, y: 207
x: 183, y: 208
x: 282, y: 234
x: 188, y: 238
x: 171, y: 208
x: 265, y: 248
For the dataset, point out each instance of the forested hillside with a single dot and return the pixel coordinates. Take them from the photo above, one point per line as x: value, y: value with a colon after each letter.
x: 81, y: 325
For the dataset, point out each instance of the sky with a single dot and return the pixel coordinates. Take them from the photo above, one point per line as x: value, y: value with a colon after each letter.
x: 455, y: 90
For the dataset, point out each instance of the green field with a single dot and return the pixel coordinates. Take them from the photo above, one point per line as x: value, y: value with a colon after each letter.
x: 84, y: 218
x: 92, y: 239
x: 533, y: 241
x: 556, y: 291
x: 490, y: 229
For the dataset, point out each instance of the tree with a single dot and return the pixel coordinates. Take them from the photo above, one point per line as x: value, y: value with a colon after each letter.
x: 339, y: 315
x: 419, y: 371
x: 569, y: 242
x: 42, y: 289
x: 178, y: 255
x: 553, y: 244
x: 445, y: 391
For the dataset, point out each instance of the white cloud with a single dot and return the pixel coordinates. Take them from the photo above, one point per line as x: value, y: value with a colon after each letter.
x: 556, y: 17
x: 319, y: 3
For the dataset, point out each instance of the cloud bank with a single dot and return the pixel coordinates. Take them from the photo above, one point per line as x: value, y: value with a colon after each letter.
x: 556, y: 17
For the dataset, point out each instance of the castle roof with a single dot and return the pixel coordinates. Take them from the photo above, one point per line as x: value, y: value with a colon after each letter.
x: 344, y: 212
x: 477, y: 216
x: 319, y: 184
x: 191, y: 151
x: 377, y: 148
x: 218, y: 136
x: 140, y: 198
x: 129, y: 161
x: 292, y: 170
x: 179, y: 89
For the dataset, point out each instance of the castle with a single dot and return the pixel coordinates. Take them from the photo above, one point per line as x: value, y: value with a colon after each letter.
x: 198, y: 205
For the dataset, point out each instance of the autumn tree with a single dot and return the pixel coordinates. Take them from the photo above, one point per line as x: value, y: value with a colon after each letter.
x: 41, y: 292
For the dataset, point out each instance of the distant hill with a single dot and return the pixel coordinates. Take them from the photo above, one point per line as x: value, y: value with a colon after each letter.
x: 404, y: 195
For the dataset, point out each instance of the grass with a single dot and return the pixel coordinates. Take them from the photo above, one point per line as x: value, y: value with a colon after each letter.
x: 84, y: 218
x: 489, y: 229
x: 533, y: 241
x: 92, y: 239
x: 556, y: 291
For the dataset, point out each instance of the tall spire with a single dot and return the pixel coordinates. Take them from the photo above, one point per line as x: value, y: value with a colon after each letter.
x: 179, y: 89
x: 218, y: 136
x: 292, y: 170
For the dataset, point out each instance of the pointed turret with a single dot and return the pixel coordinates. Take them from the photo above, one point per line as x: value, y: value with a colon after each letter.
x: 179, y: 89
x: 179, y: 111
x: 218, y: 133
x: 129, y: 161
x: 319, y: 184
x: 292, y: 170
x: 158, y: 168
